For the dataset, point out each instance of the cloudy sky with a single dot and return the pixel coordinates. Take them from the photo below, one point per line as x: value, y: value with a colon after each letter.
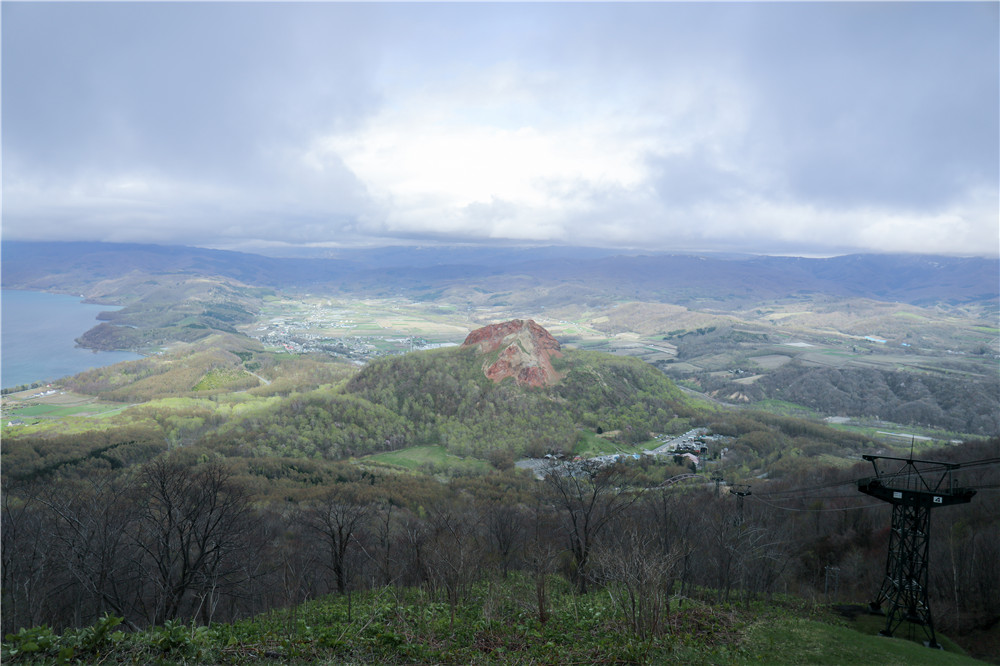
x: 802, y: 128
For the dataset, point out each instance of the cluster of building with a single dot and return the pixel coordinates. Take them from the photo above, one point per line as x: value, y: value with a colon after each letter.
x: 688, y: 448
x: 296, y: 337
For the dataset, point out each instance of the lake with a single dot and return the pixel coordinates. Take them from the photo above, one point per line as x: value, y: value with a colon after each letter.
x: 38, y: 337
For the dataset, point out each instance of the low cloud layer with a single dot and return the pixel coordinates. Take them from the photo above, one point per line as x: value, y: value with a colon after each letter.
x: 771, y: 127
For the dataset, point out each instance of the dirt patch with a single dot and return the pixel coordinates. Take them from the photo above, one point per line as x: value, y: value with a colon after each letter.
x: 771, y: 361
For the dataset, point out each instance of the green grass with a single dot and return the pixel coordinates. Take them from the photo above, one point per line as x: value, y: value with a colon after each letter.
x: 218, y: 378
x: 590, y: 444
x: 909, y: 315
x: 901, y: 440
x: 110, y: 412
x: 795, y: 641
x: 58, y: 411
x: 419, y: 457
x: 36, y: 410
x: 783, y: 408
x: 495, y: 621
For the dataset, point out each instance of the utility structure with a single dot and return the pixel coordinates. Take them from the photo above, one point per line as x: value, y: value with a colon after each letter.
x: 740, y: 491
x: 718, y: 480
x: 915, y: 488
x: 832, y: 573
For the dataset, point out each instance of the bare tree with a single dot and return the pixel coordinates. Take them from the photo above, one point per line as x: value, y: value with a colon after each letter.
x: 451, y: 553
x: 337, y: 519
x: 504, y: 527
x: 378, y: 546
x: 28, y: 556
x: 590, y: 495
x: 540, y: 555
x: 90, y: 531
x: 189, y: 527
x: 639, y: 576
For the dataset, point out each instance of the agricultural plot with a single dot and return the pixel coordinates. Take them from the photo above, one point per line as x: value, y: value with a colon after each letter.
x: 644, y: 351
x: 771, y: 361
x: 41, y: 405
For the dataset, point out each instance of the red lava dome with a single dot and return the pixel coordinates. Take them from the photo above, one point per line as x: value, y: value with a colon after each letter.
x: 525, y: 350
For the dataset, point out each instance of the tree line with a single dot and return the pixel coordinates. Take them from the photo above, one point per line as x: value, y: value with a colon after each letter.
x: 167, y: 540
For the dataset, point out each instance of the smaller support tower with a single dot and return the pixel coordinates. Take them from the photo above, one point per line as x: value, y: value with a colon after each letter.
x: 740, y: 491
x: 718, y: 480
x: 915, y: 488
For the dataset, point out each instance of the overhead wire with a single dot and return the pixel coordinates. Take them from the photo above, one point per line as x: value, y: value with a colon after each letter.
x: 809, y: 488
x: 846, y: 508
x: 897, y: 475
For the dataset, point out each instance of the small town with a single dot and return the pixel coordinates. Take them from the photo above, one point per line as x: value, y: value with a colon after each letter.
x: 299, y: 337
x: 687, y: 450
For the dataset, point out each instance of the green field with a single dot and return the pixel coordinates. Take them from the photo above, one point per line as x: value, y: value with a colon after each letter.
x: 786, y: 409
x: 590, y: 444
x: 797, y: 640
x: 422, y: 458
x: 59, y: 411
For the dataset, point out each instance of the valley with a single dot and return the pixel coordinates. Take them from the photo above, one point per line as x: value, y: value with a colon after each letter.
x: 721, y: 355
x: 725, y: 356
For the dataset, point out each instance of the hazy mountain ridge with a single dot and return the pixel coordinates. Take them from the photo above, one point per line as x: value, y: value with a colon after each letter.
x: 916, y: 279
x: 60, y: 266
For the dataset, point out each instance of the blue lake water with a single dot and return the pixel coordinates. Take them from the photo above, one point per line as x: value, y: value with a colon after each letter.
x: 38, y: 333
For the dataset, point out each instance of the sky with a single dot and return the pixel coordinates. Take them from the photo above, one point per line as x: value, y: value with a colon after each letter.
x: 802, y: 128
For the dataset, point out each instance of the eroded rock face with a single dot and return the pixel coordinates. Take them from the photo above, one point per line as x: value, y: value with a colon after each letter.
x: 525, y: 350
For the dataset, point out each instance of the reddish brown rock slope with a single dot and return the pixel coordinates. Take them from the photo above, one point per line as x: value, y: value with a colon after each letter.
x: 525, y: 350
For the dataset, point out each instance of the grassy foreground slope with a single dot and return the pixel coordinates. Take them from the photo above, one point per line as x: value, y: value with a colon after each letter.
x: 501, y: 622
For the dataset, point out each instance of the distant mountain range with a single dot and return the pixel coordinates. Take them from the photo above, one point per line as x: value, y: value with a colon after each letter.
x: 71, y: 267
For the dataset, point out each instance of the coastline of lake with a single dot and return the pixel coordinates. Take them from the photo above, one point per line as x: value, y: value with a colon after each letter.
x: 39, y: 332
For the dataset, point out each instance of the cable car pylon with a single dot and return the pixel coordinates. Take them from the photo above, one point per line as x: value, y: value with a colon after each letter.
x: 913, y: 490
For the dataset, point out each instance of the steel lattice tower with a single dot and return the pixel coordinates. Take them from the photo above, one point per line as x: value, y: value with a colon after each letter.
x: 913, y: 491
x: 740, y: 494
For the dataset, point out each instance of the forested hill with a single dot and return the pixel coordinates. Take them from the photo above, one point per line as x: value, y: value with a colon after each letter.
x: 441, y: 397
x: 203, y: 397
x: 445, y: 395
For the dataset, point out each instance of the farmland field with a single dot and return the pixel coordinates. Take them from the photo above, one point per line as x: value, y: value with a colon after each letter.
x: 45, y: 404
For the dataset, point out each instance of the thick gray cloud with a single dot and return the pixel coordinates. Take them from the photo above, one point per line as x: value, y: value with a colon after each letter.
x: 785, y: 127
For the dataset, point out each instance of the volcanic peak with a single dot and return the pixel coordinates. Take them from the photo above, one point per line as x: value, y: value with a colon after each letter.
x: 525, y: 352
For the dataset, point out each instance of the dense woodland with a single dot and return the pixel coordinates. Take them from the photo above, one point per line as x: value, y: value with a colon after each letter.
x: 220, y: 505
